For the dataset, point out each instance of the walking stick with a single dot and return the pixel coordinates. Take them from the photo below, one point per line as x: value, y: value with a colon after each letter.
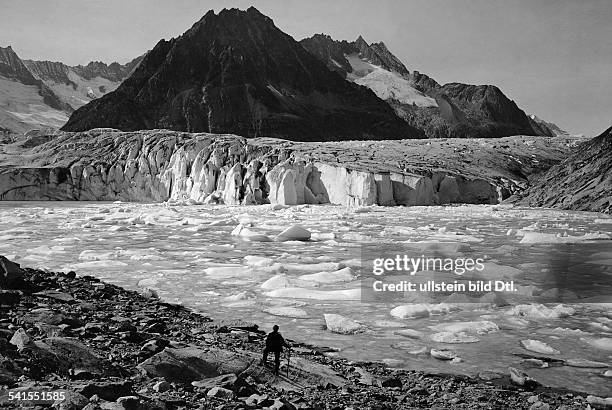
x: 288, y: 358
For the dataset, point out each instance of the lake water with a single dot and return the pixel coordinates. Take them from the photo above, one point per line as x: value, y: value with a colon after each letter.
x: 189, y: 256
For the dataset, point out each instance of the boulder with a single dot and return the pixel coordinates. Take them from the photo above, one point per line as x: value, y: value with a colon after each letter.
x: 226, y: 381
x: 109, y: 390
x: 189, y: 364
x: 522, y: 379
x: 21, y: 339
x: 161, y: 386
x: 55, y: 295
x: 11, y: 275
x: 220, y: 392
x: 62, y: 354
x: 72, y: 401
x: 9, y: 297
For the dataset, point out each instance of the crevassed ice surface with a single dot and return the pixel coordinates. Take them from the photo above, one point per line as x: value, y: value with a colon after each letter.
x: 188, y: 255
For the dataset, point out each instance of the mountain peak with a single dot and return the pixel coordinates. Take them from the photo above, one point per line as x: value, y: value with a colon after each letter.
x: 236, y: 72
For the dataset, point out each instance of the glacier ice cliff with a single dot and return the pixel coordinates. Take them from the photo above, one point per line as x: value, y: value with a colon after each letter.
x: 161, y: 165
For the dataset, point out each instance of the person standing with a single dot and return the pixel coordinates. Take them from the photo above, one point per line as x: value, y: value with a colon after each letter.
x: 274, y: 343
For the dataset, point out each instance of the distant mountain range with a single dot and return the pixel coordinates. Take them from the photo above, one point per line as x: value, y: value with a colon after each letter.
x: 450, y: 110
x: 236, y: 72
x: 43, y: 94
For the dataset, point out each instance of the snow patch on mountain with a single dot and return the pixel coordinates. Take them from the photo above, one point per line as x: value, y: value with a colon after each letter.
x: 386, y: 84
x: 22, y: 106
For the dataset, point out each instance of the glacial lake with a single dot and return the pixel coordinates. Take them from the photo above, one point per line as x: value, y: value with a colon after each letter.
x: 188, y: 255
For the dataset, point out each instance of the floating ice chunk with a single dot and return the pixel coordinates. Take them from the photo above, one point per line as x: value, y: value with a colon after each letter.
x: 276, y: 282
x: 410, y: 333
x: 389, y: 323
x: 118, y: 228
x: 603, y: 343
x: 538, y: 347
x: 494, y: 271
x: 478, y: 327
x: 455, y: 236
x: 149, y: 282
x: 420, y: 310
x: 249, y: 235
x: 238, y: 296
x: 223, y: 222
x: 303, y: 293
x: 312, y: 267
x: 223, y: 272
x: 46, y: 250
x: 98, y: 264
x: 540, y: 237
x: 341, y: 324
x: 277, y: 207
x: 294, y: 233
x: 258, y: 261
x: 67, y: 240
x: 275, y: 268
x: 539, y: 311
x: 341, y: 275
x: 452, y: 338
x: 410, y: 311
x: 286, y: 311
x: 443, y: 354
x: 92, y: 255
x: 319, y: 236
x: 566, y: 331
x: 590, y: 364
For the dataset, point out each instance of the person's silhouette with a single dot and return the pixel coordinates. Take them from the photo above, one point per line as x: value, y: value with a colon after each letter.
x: 274, y: 343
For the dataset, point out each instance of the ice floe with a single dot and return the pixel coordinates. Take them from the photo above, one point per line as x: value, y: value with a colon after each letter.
x: 277, y: 282
x: 303, y: 293
x: 341, y: 324
x: 294, y: 233
x: 477, y: 327
x: 341, y: 275
x: 452, y: 337
x: 286, y: 311
x: 540, y: 237
x: 539, y: 311
x: 420, y: 310
x: 538, y: 347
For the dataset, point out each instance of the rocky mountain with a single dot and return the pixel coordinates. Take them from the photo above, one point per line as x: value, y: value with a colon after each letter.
x: 546, y: 128
x: 42, y: 94
x: 236, y: 72
x: 450, y: 110
x: 26, y: 101
x: 78, y: 85
x: 583, y: 181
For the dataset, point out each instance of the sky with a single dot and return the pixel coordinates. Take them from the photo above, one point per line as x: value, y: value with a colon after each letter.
x: 552, y: 57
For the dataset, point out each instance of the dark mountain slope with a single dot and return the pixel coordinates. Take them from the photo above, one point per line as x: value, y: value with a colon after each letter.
x: 582, y: 182
x: 236, y: 72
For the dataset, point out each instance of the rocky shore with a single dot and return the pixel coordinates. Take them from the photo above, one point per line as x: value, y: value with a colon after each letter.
x: 93, y: 345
